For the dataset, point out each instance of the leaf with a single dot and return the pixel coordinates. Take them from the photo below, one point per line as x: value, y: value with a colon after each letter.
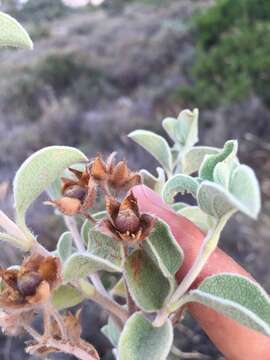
x: 105, y: 248
x: 183, y: 130
x: 140, y: 340
x: 12, y: 33
x: 153, y: 182
x: 38, y: 172
x: 209, y: 163
x: 54, y: 189
x: 179, y: 184
x: 112, y: 331
x: 156, y: 145
x: 119, y: 289
x: 87, y: 226
x: 193, y: 159
x: 245, y: 187
x: 178, y: 206
x: 64, y: 246
x: 193, y: 213
x: 216, y: 201
x: 79, y: 266
x: 66, y: 296
x: 222, y: 173
x: 236, y: 297
x: 148, y: 286
x: 162, y: 247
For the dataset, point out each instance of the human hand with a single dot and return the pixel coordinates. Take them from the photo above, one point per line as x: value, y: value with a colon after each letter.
x: 235, y: 341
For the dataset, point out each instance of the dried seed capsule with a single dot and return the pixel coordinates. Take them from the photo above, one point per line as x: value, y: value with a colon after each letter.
x: 127, y: 221
x: 28, y: 283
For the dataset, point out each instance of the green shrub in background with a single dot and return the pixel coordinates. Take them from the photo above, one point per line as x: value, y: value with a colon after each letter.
x: 232, y: 58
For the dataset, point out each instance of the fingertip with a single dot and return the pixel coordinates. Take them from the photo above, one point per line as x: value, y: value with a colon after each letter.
x: 149, y: 200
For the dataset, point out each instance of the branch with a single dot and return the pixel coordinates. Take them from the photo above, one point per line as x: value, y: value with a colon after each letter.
x: 60, y: 345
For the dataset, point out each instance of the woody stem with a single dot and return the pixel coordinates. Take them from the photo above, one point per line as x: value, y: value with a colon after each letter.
x: 61, y: 346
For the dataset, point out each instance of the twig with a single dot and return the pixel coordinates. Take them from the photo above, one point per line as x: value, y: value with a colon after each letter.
x: 107, y: 303
x: 60, y: 345
x: 54, y: 313
x: 10, y: 227
x: 46, y: 322
x: 72, y: 226
x: 130, y: 303
x: 177, y: 316
x: 95, y: 279
x: 186, y: 355
x: 111, y: 306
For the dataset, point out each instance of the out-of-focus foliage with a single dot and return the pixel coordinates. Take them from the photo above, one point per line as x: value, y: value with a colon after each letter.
x: 42, y: 10
x: 233, y: 53
x: 55, y: 75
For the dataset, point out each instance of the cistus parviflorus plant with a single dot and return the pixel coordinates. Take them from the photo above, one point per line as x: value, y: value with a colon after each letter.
x: 149, y: 294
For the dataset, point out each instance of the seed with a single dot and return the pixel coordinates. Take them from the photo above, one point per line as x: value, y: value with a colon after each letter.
x: 127, y: 221
x: 28, y: 283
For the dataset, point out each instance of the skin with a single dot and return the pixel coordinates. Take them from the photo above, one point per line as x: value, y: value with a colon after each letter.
x: 235, y: 341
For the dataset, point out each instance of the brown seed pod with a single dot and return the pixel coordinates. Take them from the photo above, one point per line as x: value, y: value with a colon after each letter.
x: 127, y: 222
x: 28, y: 282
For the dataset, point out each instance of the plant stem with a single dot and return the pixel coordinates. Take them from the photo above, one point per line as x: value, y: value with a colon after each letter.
x: 208, y: 247
x: 60, y: 345
x: 72, y: 226
x: 130, y: 303
x: 13, y: 230
x: 185, y: 355
x: 107, y: 303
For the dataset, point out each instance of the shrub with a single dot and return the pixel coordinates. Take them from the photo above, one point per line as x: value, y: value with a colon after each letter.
x: 56, y: 75
x: 232, y: 56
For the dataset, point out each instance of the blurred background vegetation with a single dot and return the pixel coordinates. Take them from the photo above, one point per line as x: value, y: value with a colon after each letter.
x: 99, y: 72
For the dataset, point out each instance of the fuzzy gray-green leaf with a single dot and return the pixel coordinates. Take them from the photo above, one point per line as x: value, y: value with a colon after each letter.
x: 80, y: 265
x: 183, y: 130
x: 244, y: 187
x: 147, y: 284
x: 162, y: 247
x: 179, y: 184
x: 156, y: 145
x: 243, y: 195
x: 12, y: 33
x: 66, y: 296
x: 236, y: 297
x: 229, y: 150
x: 87, y: 226
x: 112, y: 331
x: 140, y: 340
x: 105, y: 247
x: 193, y: 159
x: 64, y: 246
x: 155, y: 183
x: 193, y: 213
x: 38, y: 172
